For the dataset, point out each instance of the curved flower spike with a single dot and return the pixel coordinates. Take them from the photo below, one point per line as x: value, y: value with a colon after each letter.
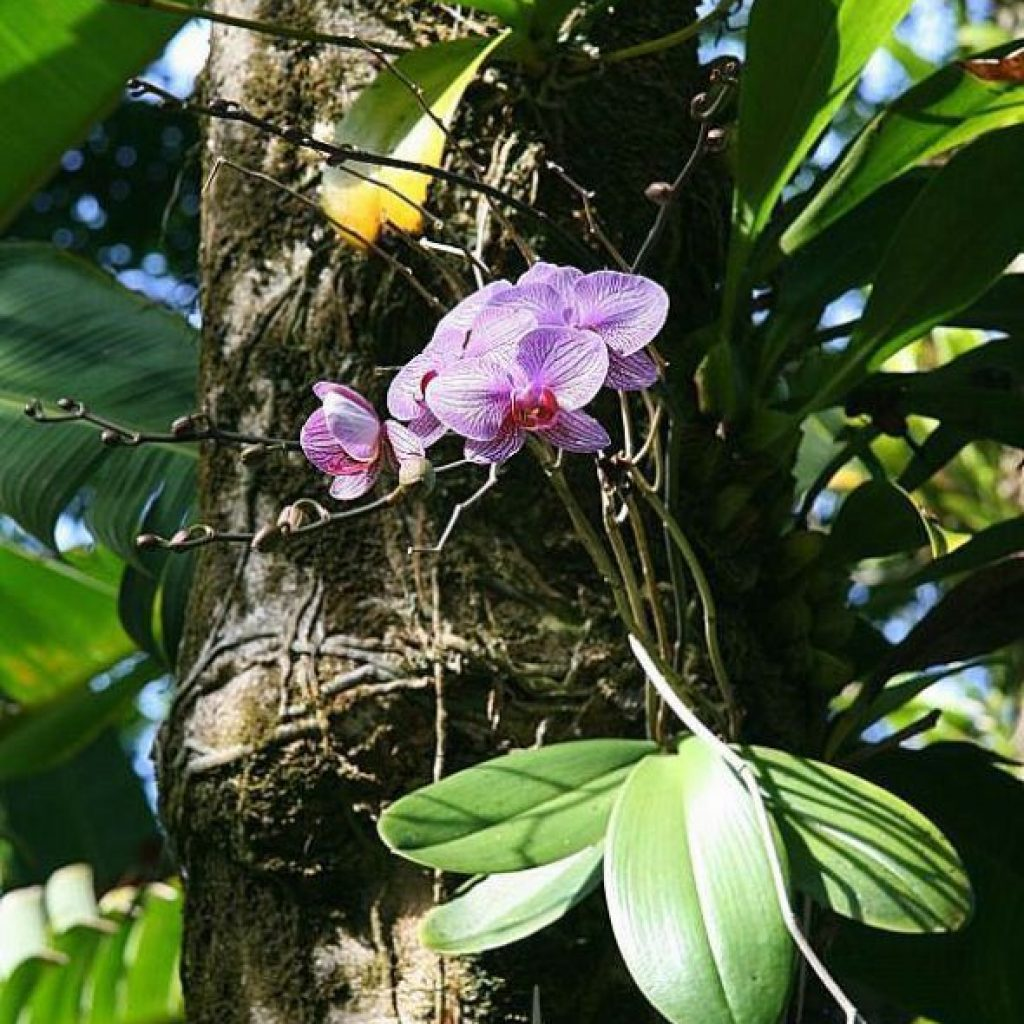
x: 346, y: 439
x: 539, y: 387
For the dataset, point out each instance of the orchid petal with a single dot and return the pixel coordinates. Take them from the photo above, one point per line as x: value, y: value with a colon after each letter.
x: 453, y: 327
x: 499, y: 448
x: 404, y: 444
x: 427, y: 427
x: 573, y: 364
x: 473, y: 397
x: 562, y: 279
x: 545, y: 302
x: 322, y: 448
x: 355, y: 484
x: 353, y: 421
x: 405, y: 395
x: 631, y: 373
x: 626, y: 310
x: 577, y: 432
x: 499, y: 326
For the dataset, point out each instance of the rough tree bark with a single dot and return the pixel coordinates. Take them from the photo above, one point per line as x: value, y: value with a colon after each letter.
x: 322, y: 680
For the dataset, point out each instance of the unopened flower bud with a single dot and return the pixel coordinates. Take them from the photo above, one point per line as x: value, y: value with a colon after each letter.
x: 147, y: 540
x: 717, y: 140
x: 183, y: 426
x: 33, y: 408
x: 179, y: 538
x: 659, y: 192
x: 67, y: 404
x: 253, y: 453
x: 416, y: 472
x: 263, y: 536
x: 109, y: 437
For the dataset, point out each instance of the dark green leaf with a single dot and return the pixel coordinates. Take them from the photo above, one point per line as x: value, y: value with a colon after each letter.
x: 91, y: 808
x: 953, y: 242
x: 1001, y: 308
x: 974, y: 975
x: 60, y: 625
x: 942, y: 445
x: 690, y: 893
x: 68, y: 330
x: 63, y: 64
x: 859, y: 850
x: 998, y: 541
x: 950, y: 108
x: 506, y: 908
x: 876, y: 520
x: 516, y: 811
x: 42, y: 736
x: 980, y: 614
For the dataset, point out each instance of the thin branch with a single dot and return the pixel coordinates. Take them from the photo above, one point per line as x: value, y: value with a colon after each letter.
x: 703, y: 109
x: 590, y: 217
x: 672, y: 39
x: 184, y: 430
x: 492, y: 479
x: 340, y: 155
x: 748, y: 778
x: 186, y: 10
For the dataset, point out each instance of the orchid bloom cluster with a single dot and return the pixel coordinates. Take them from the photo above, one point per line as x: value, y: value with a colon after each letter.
x: 508, y: 361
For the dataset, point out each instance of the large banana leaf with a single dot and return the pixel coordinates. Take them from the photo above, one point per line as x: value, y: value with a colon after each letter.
x: 63, y: 64
x: 59, y: 626
x: 69, y: 330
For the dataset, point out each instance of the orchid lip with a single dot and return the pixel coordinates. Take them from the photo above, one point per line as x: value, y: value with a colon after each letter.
x: 535, y: 409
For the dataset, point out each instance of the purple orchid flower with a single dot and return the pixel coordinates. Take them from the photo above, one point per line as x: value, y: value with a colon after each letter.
x: 455, y: 338
x: 625, y: 310
x: 537, y: 386
x: 346, y: 439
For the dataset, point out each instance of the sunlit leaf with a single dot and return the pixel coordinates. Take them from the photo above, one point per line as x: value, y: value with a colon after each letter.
x: 514, y: 812
x: 859, y: 850
x: 396, y: 120
x: 508, y: 907
x: 690, y: 893
x: 950, y: 108
x: 63, y: 65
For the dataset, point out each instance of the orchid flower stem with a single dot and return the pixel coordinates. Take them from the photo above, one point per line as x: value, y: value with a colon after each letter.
x: 707, y: 599
x: 434, y: 549
x: 186, y: 10
x: 748, y: 778
x: 672, y: 39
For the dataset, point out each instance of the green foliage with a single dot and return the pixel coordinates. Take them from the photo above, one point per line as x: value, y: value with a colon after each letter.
x: 972, y: 975
x: 690, y: 893
x: 60, y: 624
x: 950, y: 108
x: 62, y: 66
x: 877, y: 519
x: 514, y: 812
x: 64, y: 959
x: 859, y: 850
x: 508, y: 907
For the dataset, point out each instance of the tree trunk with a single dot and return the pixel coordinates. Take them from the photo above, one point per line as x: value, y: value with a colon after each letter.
x: 325, y: 678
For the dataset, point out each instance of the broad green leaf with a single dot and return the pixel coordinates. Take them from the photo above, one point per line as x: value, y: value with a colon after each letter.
x: 998, y: 541
x: 690, y: 893
x: 971, y: 976
x: 941, y: 446
x: 67, y: 329
x: 514, y: 13
x: 980, y: 614
x: 42, y: 736
x: 59, y: 629
x: 953, y: 242
x: 390, y: 118
x: 950, y: 108
x: 63, y: 65
x: 517, y: 811
x: 823, y: 45
x: 509, y: 907
x: 876, y: 520
x: 112, y: 965
x: 92, y: 808
x: 899, y: 693
x: 859, y: 850
x: 1001, y: 308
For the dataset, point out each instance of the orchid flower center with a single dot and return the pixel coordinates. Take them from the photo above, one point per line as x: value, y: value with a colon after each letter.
x: 536, y: 407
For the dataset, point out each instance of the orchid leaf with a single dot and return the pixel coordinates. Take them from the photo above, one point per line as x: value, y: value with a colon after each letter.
x: 972, y: 974
x: 506, y: 908
x: 989, y: 545
x: 859, y: 850
x: 400, y: 115
x: 877, y: 519
x: 514, y: 812
x: 948, y: 109
x: 690, y: 893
